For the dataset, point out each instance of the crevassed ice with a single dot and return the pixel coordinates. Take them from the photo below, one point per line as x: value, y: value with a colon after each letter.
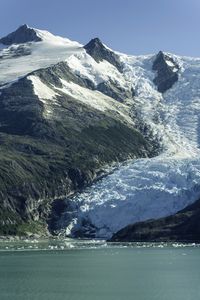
x: 144, y: 189
x: 161, y: 186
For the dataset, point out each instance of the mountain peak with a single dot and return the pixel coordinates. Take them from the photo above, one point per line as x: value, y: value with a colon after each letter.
x: 164, y: 60
x: 22, y: 35
x: 161, y: 53
x: 167, y: 71
x: 94, y: 46
x: 96, y: 42
x: 100, y: 52
x: 25, y: 26
x: 162, y: 56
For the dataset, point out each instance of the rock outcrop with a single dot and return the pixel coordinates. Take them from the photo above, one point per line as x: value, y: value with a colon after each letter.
x: 184, y: 226
x: 167, y: 72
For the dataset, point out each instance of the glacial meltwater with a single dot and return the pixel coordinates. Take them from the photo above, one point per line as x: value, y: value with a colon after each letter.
x: 92, y: 270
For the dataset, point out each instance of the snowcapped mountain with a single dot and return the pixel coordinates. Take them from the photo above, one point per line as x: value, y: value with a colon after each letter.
x: 28, y: 49
x: 70, y: 111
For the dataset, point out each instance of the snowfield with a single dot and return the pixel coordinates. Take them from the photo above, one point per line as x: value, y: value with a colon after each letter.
x: 143, y: 188
x: 51, y: 50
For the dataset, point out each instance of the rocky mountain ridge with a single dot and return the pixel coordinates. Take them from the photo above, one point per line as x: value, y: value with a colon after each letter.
x: 53, y: 144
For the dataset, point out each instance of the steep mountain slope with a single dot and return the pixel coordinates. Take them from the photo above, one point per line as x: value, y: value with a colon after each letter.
x: 184, y: 226
x: 67, y: 112
x: 59, y: 129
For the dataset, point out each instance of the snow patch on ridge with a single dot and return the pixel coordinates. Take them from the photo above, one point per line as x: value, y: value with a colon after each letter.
x: 85, y: 66
x: 48, y: 37
x: 96, y: 100
x: 41, y: 89
x: 45, y: 94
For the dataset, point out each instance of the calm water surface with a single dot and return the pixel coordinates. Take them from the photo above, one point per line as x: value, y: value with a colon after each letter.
x: 104, y: 273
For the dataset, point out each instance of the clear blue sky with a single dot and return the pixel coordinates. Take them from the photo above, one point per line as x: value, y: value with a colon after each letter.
x: 130, y: 26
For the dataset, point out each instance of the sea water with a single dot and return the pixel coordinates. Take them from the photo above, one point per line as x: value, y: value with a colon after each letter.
x: 95, y: 270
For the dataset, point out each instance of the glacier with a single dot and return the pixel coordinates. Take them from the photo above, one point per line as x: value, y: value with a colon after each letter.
x: 148, y: 188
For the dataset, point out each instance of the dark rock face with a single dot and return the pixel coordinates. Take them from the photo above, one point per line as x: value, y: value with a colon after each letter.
x: 52, y: 75
x: 99, y: 52
x: 184, y: 226
x: 19, y: 113
x: 78, y: 178
x: 22, y: 35
x: 111, y: 89
x: 167, y: 72
x: 14, y: 52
